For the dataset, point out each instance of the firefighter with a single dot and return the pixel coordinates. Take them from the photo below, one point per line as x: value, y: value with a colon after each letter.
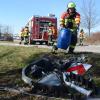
x: 81, y: 37
x: 26, y: 35
x: 51, y: 32
x: 21, y: 36
x: 71, y: 20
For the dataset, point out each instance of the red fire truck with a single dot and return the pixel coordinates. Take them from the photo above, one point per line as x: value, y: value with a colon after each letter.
x: 38, y: 27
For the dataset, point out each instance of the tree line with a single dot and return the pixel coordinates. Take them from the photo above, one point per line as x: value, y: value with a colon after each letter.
x: 6, y: 32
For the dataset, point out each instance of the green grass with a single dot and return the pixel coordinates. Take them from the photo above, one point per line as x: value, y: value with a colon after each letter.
x: 14, y: 58
x: 18, y: 57
x: 97, y: 81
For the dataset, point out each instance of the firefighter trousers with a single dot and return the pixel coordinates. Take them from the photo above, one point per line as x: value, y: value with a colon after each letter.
x: 73, y: 42
x: 50, y: 38
x: 26, y: 39
x: 81, y: 41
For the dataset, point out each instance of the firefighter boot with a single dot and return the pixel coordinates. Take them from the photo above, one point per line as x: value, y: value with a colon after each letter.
x: 20, y: 42
x: 54, y: 48
x: 71, y: 50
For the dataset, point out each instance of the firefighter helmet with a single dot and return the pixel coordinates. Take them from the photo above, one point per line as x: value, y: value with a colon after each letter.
x: 81, y: 30
x: 50, y: 24
x: 71, y: 5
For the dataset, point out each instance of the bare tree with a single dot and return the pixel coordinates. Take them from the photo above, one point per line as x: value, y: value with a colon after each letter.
x: 89, y: 14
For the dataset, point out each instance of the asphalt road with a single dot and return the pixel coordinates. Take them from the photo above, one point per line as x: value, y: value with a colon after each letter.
x: 85, y: 48
x: 88, y: 48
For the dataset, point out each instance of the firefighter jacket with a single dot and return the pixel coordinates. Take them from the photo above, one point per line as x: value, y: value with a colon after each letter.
x: 71, y: 22
x: 81, y: 35
x: 51, y: 30
x: 21, y: 34
x: 26, y: 32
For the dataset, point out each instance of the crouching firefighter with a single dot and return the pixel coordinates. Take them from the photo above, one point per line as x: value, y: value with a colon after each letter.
x: 26, y: 35
x: 71, y: 20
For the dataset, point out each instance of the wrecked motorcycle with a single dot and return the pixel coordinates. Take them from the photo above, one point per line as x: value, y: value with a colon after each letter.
x: 59, y: 78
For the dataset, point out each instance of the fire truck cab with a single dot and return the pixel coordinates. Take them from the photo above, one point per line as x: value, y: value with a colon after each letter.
x: 38, y: 27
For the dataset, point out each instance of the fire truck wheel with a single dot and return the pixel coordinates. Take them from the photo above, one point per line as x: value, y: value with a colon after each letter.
x: 46, y: 42
x: 33, y: 42
x: 54, y: 49
x: 41, y: 42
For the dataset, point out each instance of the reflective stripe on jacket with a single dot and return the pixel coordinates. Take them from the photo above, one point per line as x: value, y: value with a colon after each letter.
x: 81, y: 35
x: 26, y: 32
x: 22, y: 34
x: 51, y: 30
x: 64, y: 19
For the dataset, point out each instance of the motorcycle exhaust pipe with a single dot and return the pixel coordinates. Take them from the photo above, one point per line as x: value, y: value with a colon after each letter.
x: 78, y: 88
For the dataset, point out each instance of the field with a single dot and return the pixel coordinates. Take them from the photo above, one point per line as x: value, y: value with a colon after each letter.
x: 14, y: 58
